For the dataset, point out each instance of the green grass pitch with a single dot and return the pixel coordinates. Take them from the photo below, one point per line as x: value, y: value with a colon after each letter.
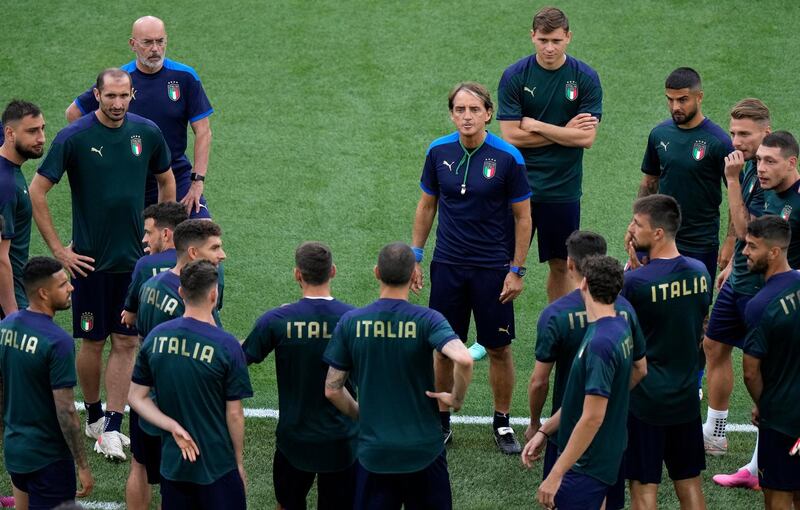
x: 323, y: 113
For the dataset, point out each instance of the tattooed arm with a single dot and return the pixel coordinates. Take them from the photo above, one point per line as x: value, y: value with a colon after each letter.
x: 649, y: 185
x: 338, y: 394
x: 71, y: 429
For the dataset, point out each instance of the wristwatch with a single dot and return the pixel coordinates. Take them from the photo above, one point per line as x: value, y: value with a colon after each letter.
x: 519, y: 270
x: 197, y: 177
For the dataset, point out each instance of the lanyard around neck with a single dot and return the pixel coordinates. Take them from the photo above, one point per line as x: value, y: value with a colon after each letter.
x: 466, y: 157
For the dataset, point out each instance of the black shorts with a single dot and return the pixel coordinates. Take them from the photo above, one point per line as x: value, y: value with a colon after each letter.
x: 777, y: 470
x: 679, y: 446
x: 458, y: 290
x: 48, y: 487
x: 550, y: 458
x: 334, y: 490
x: 146, y: 449
x: 554, y: 223
x: 580, y: 492
x: 226, y: 492
x: 428, y: 489
x: 97, y: 303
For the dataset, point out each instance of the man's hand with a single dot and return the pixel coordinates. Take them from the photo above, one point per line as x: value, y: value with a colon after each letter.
x: 734, y: 163
x: 417, y: 279
x: 533, y: 449
x: 754, y: 416
x: 529, y: 124
x: 723, y: 275
x: 86, y: 482
x: 243, y: 475
x: 531, y: 429
x: 128, y: 318
x: 583, y: 121
x: 447, y: 399
x: 633, y: 258
x: 512, y: 287
x: 192, y: 199
x: 188, y: 447
x: 74, y: 263
x: 547, y: 491
x: 726, y: 252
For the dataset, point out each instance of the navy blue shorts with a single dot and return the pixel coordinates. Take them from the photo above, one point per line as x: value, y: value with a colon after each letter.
x: 679, y: 446
x: 182, y: 184
x: 428, y: 489
x: 458, y: 290
x: 580, y: 492
x: 777, y: 470
x: 225, y: 492
x: 554, y: 223
x: 615, y: 496
x: 709, y: 259
x: 334, y: 490
x: 48, y: 487
x: 146, y: 449
x: 550, y: 458
x: 97, y: 303
x: 726, y: 324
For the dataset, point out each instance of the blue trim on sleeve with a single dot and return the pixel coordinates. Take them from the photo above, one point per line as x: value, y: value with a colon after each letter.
x: 502, y: 145
x: 426, y: 190
x: 239, y: 396
x: 446, y: 341
x: 335, y: 365
x: 201, y: 116
x: 177, y: 66
x: 64, y: 385
x: 598, y: 392
x: 451, y: 138
x: 141, y: 382
x: 77, y: 103
x: 522, y: 198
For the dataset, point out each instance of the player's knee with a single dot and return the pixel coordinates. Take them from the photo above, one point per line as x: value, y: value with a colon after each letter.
x: 558, y: 266
x: 499, y: 354
x: 124, y: 343
x: 92, y: 348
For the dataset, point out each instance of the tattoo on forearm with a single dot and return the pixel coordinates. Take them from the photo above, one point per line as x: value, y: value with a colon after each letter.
x: 336, y: 379
x: 648, y: 187
x: 71, y: 429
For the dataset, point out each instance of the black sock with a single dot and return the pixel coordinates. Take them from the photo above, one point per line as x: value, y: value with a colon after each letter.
x: 444, y: 416
x: 113, y: 421
x: 94, y: 411
x: 500, y: 420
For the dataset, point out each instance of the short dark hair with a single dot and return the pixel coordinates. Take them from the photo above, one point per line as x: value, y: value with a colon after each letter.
x: 194, y: 232
x: 751, y: 108
x: 396, y: 264
x: 784, y: 141
x: 112, y: 72
x: 582, y: 244
x: 550, y: 19
x: 18, y: 110
x: 604, y: 277
x: 663, y: 210
x: 198, y: 277
x: 683, y: 78
x: 314, y: 260
x: 773, y: 229
x: 37, y: 271
x: 474, y: 88
x: 166, y: 214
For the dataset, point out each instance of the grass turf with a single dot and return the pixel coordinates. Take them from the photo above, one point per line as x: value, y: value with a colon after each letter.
x: 323, y: 113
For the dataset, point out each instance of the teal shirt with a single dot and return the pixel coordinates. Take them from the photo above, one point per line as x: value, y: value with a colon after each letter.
x: 36, y: 357
x: 773, y: 321
x: 690, y: 164
x: 146, y: 268
x: 312, y: 434
x: 107, y: 169
x: 526, y: 89
x: 786, y: 204
x: 742, y: 281
x: 671, y: 299
x: 195, y: 369
x: 602, y: 367
x: 388, y: 349
x: 15, y: 207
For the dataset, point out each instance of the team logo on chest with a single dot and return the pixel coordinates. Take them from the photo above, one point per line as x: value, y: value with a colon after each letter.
x: 786, y: 212
x: 699, y: 150
x: 174, y: 90
x: 136, y: 145
x: 87, y: 321
x: 489, y: 168
x: 571, y: 90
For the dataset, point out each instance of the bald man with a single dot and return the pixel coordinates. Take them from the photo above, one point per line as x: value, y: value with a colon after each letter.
x: 170, y: 94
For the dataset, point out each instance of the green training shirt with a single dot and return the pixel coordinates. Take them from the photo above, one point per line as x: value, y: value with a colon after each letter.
x: 786, y: 204
x: 16, y: 210
x: 742, y: 281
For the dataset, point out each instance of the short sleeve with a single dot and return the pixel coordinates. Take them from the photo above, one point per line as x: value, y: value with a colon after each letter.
x: 441, y: 331
x: 547, y: 336
x: 509, y: 97
x: 651, y: 165
x: 62, y: 364
x: 86, y: 102
x: 198, y: 105
x: 601, y: 366
x: 337, y: 353
x: 429, y: 182
x: 639, y: 342
x: 141, y: 371
x: 8, y: 205
x: 518, y: 187
x: 237, y: 379
x: 755, y: 343
x: 591, y: 100
x: 55, y: 163
x: 260, y: 342
x: 132, y: 297
x: 161, y: 157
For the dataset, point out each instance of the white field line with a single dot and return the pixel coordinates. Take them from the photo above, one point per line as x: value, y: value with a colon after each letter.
x: 260, y: 412
x: 101, y: 505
